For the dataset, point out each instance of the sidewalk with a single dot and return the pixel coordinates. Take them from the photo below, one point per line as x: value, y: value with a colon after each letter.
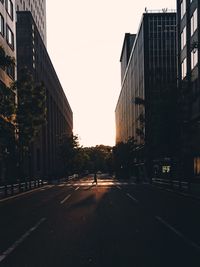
x: 183, y: 188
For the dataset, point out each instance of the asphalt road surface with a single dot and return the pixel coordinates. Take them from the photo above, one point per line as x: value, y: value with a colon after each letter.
x: 114, y: 223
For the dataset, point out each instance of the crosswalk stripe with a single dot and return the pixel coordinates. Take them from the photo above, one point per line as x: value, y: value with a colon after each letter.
x: 100, y: 183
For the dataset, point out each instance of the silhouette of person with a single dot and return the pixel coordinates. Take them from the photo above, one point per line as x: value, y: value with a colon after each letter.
x: 95, y: 178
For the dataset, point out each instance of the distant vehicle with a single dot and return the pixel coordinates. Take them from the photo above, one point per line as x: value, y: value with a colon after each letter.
x: 73, y: 176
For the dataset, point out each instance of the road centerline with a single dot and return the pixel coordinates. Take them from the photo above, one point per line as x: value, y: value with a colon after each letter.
x: 65, y: 199
x: 6, y: 253
x: 76, y: 188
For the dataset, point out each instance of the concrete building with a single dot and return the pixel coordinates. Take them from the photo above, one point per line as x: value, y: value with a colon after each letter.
x: 7, y: 95
x: 32, y: 53
x: 38, y: 10
x: 146, y: 106
x: 188, y: 36
x: 7, y: 38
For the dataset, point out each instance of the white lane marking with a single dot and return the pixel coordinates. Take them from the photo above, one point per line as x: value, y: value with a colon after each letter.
x: 134, y: 199
x: 77, y: 188
x: 6, y: 253
x: 61, y: 185
x: 178, y: 233
x: 119, y: 187
x: 65, y: 199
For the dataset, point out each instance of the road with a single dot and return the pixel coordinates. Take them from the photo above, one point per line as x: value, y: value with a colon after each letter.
x: 116, y: 223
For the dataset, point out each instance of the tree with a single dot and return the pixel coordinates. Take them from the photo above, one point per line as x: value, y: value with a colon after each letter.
x: 141, y: 118
x: 99, y: 158
x: 69, y: 153
x: 124, y: 154
x: 7, y: 121
x: 77, y: 159
x: 31, y: 113
x: 5, y: 60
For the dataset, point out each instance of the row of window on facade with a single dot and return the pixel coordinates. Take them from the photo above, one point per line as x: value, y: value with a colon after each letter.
x: 193, y: 28
x: 183, y: 7
x: 194, y: 62
x: 7, y: 32
x: 9, y: 7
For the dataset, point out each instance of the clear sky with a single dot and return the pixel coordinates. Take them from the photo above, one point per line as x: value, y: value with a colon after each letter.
x: 84, y: 41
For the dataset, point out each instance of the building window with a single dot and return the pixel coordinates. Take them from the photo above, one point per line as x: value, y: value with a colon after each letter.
x: 11, y: 71
x: 183, y: 38
x: 9, y: 8
x: 193, y: 22
x: 183, y: 8
x: 10, y: 37
x: 1, y: 25
x: 194, y: 58
x: 184, y: 68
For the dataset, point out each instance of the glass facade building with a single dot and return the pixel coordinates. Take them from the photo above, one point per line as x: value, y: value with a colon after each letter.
x: 146, y: 106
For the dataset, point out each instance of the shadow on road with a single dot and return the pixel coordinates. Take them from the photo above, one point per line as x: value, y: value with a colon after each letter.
x: 90, y: 200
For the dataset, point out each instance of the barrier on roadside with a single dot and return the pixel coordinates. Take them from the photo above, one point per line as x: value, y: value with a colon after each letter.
x: 170, y: 183
x: 13, y: 189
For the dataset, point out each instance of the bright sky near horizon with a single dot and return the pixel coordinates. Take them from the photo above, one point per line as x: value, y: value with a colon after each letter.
x: 84, y: 41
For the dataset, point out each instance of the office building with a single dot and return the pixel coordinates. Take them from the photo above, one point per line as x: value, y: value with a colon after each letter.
x: 38, y: 10
x: 126, y: 51
x: 146, y: 108
x: 7, y: 39
x: 32, y: 53
x: 188, y: 33
x: 7, y: 94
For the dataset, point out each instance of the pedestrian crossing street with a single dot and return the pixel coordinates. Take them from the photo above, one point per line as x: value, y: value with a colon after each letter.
x: 100, y: 182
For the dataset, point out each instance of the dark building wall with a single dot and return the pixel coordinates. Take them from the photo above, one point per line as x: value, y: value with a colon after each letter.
x: 188, y: 14
x: 151, y: 76
x: 160, y: 83
x: 38, y: 11
x: 32, y: 53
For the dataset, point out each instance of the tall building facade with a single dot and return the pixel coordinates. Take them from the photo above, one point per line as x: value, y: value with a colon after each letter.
x: 123, y: 108
x: 7, y: 39
x: 146, y: 106
x: 7, y: 94
x: 188, y: 36
x: 32, y: 53
x: 126, y: 52
x: 38, y: 10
